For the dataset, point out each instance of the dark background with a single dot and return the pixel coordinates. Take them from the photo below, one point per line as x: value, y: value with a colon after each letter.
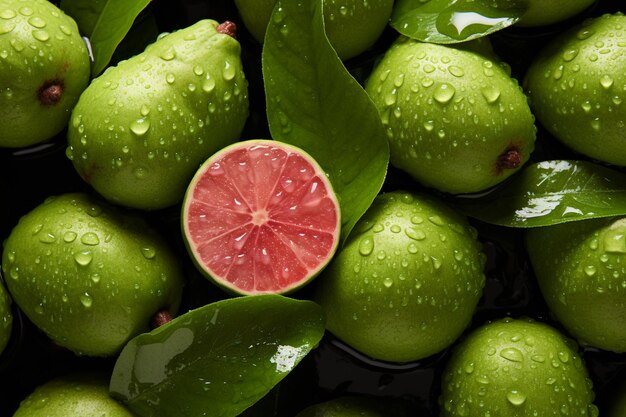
x: 28, y: 176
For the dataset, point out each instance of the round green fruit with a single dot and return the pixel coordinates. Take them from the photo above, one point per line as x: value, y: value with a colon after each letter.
x: 575, y: 85
x: 79, y: 395
x: 6, y: 318
x: 407, y: 281
x: 516, y: 368
x: 352, y: 26
x: 89, y: 275
x: 44, y: 67
x: 580, y: 270
x: 542, y: 12
x: 455, y: 119
x: 142, y: 128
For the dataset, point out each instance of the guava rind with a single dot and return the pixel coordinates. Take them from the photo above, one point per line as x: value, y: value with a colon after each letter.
x: 406, y: 283
x: 451, y: 114
x: 543, y: 13
x: 579, y: 270
x: 77, y: 395
x: 39, y: 45
x: 352, y: 26
x: 142, y: 128
x: 516, y: 368
x: 6, y: 317
x: 575, y: 88
x: 89, y: 275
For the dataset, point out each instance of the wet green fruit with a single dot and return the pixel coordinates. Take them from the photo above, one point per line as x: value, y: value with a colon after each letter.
x: 542, y: 12
x: 516, y: 368
x: 352, y: 26
x: 81, y: 395
x: 407, y: 281
x: 89, y: 275
x: 6, y: 318
x: 141, y: 129
x: 44, y: 67
x: 579, y: 267
x: 455, y: 119
x: 576, y: 89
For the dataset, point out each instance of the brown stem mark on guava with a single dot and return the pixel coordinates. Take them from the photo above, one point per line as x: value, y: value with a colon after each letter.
x: 511, y: 158
x: 51, y: 92
x: 160, y: 318
x: 228, y: 28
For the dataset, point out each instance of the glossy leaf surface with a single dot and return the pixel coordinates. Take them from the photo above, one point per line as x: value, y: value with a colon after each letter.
x: 314, y: 103
x: 453, y: 21
x: 216, y: 360
x: 551, y: 192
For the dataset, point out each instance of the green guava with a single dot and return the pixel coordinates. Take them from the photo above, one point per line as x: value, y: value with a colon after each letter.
x: 455, y: 119
x: 516, y: 368
x: 76, y: 395
x: 406, y: 283
x: 352, y: 26
x: 6, y: 317
x: 142, y: 128
x: 575, y: 85
x: 44, y: 67
x: 88, y: 274
x: 579, y: 267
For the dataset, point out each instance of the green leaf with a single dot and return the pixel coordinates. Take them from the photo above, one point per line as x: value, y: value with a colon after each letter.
x: 551, y: 192
x: 105, y: 23
x: 314, y: 103
x: 453, y: 21
x: 216, y: 360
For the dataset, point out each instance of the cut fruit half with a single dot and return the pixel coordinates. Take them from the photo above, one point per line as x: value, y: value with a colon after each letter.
x: 260, y: 216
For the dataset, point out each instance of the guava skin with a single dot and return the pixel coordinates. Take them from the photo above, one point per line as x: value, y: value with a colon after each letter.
x: 455, y: 119
x: 88, y: 274
x: 579, y: 268
x: 516, y: 368
x: 78, y: 395
x: 543, y: 13
x: 575, y: 88
x: 6, y: 317
x: 44, y: 67
x: 406, y: 283
x: 352, y: 26
x: 142, y: 128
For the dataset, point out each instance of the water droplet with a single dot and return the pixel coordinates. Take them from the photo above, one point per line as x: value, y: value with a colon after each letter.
x: 615, y: 243
x: 37, y: 22
x: 140, y: 126
x: 590, y: 270
x: 366, y: 246
x: 490, y: 93
x: 586, y: 106
x: 229, y: 71
x: 83, y: 258
x: 69, y: 236
x: 515, y: 397
x: 444, y: 93
x: 208, y: 85
x: 414, y: 233
x: 6, y: 27
x: 570, y: 54
x: 41, y: 35
x: 436, y: 220
x: 512, y: 354
x: 606, y: 81
x: 47, y: 238
x: 387, y: 282
x: 584, y: 34
x: 456, y: 71
x: 86, y: 300
x: 7, y: 14
x: 90, y: 238
x: 26, y: 11
x: 168, y: 54
x: 65, y: 30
